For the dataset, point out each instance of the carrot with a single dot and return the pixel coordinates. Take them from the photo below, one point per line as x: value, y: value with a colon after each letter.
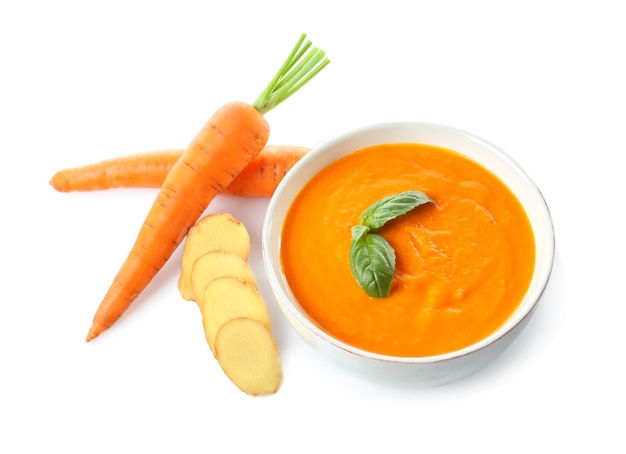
x: 228, y: 142
x: 148, y: 170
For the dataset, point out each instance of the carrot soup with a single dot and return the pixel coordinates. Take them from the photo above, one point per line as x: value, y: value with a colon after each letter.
x: 463, y: 262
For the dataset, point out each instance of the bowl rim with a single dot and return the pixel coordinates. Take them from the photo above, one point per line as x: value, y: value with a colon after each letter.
x: 287, y: 300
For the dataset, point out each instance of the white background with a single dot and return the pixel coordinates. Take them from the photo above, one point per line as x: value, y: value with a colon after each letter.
x: 84, y: 81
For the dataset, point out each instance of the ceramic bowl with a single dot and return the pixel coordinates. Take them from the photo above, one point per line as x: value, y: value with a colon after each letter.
x: 430, y: 370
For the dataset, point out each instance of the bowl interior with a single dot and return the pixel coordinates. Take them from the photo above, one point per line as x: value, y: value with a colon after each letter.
x: 462, y: 142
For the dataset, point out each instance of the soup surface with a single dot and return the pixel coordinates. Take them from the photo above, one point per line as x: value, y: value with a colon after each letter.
x: 463, y: 264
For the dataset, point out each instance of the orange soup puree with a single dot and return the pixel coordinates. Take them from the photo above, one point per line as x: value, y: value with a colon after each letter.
x: 463, y: 264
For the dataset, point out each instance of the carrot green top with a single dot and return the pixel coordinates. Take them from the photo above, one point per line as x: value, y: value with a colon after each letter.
x: 299, y: 68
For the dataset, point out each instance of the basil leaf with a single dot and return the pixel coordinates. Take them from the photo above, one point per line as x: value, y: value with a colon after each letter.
x: 391, y: 207
x: 373, y: 261
x: 359, y: 230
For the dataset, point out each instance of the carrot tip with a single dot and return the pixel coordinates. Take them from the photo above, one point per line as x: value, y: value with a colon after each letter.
x: 59, y: 183
x: 94, y: 332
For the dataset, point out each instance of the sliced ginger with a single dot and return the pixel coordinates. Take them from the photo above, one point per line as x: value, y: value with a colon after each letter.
x: 215, y: 273
x: 226, y: 298
x: 248, y: 355
x: 216, y: 264
x: 214, y: 232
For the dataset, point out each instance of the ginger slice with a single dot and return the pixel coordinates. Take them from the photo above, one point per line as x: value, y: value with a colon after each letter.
x: 226, y: 298
x: 216, y: 264
x: 248, y: 355
x: 214, y: 232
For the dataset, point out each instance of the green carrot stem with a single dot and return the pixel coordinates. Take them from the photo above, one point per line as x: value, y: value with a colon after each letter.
x: 297, y: 70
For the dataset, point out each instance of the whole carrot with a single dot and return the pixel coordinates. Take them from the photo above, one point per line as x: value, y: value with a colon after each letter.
x: 149, y: 169
x: 230, y: 140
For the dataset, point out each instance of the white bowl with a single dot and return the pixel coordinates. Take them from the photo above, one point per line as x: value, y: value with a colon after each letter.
x: 430, y: 370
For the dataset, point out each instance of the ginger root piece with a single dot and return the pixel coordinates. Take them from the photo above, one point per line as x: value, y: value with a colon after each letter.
x: 216, y: 264
x: 226, y: 298
x: 248, y: 355
x: 214, y: 232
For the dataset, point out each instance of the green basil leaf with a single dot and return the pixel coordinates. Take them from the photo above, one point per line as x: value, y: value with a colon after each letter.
x: 391, y: 207
x: 359, y: 230
x: 373, y: 261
